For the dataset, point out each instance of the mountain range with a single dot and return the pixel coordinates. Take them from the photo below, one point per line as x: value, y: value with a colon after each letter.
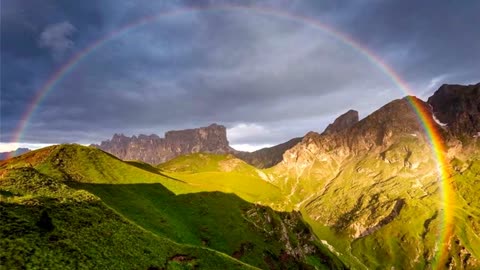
x: 154, y: 150
x: 14, y: 153
x: 363, y: 194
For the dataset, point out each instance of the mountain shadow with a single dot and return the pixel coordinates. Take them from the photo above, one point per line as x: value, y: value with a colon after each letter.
x: 254, y: 234
x: 44, y: 224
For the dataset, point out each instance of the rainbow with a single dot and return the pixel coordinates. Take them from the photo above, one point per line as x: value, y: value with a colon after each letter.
x: 448, y: 198
x: 424, y: 115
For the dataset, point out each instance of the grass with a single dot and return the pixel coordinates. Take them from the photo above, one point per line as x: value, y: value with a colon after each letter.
x: 227, y: 174
x: 218, y: 202
x: 168, y: 207
x: 46, y: 224
x: 207, y: 172
x: 467, y: 184
x: 200, y: 162
x: 220, y: 221
x: 346, y: 198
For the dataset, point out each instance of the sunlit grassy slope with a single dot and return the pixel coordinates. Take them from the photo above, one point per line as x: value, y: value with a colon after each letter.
x: 254, y: 234
x: 384, y: 208
x: 205, y: 172
x: 227, y: 174
x: 173, y: 206
x: 372, y: 210
x: 90, y: 165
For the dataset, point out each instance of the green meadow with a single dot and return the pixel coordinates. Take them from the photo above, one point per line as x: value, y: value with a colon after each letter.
x: 77, y: 207
x: 85, y: 205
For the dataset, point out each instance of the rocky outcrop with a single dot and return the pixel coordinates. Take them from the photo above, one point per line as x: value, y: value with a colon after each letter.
x: 457, y: 107
x: 385, y: 125
x: 343, y: 122
x: 380, y: 173
x: 212, y: 139
x: 391, y: 141
x: 154, y: 150
x: 271, y: 156
x: 375, y: 132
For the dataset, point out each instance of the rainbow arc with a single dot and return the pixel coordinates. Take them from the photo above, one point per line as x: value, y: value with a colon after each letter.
x: 424, y: 115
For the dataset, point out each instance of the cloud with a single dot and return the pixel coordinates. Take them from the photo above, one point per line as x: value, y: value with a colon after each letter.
x: 253, y: 69
x: 250, y: 147
x: 7, y: 147
x: 245, y: 132
x: 233, y: 67
x: 57, y: 38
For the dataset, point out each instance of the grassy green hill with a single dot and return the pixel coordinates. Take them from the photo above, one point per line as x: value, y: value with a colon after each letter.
x: 251, y: 233
x: 374, y: 209
x: 90, y: 165
x: 45, y: 224
x: 183, y: 207
x: 227, y: 174
x: 185, y: 174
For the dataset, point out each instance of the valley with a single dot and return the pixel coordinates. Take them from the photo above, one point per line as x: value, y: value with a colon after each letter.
x: 364, y: 194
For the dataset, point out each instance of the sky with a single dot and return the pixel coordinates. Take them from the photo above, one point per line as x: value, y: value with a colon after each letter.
x: 267, y: 70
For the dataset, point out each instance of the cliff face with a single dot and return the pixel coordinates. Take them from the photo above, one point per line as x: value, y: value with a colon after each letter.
x: 212, y: 139
x: 370, y: 153
x: 375, y: 133
x: 348, y: 136
x: 458, y: 108
x: 271, y: 156
x: 372, y: 180
x: 154, y: 150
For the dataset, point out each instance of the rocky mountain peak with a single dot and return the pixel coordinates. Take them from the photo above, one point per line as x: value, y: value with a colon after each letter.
x: 384, y: 126
x: 119, y: 137
x: 213, y: 131
x: 343, y: 122
x: 458, y: 107
x: 375, y: 132
x: 154, y: 150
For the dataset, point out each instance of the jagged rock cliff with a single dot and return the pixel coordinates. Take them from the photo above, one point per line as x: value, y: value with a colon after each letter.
x: 378, y: 180
x: 154, y: 150
x: 271, y: 156
x: 212, y: 139
x: 373, y: 133
x: 458, y: 108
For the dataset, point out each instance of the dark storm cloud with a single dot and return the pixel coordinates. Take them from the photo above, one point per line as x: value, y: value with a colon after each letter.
x: 423, y: 40
x: 266, y: 77
x: 26, y: 59
x: 210, y: 81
